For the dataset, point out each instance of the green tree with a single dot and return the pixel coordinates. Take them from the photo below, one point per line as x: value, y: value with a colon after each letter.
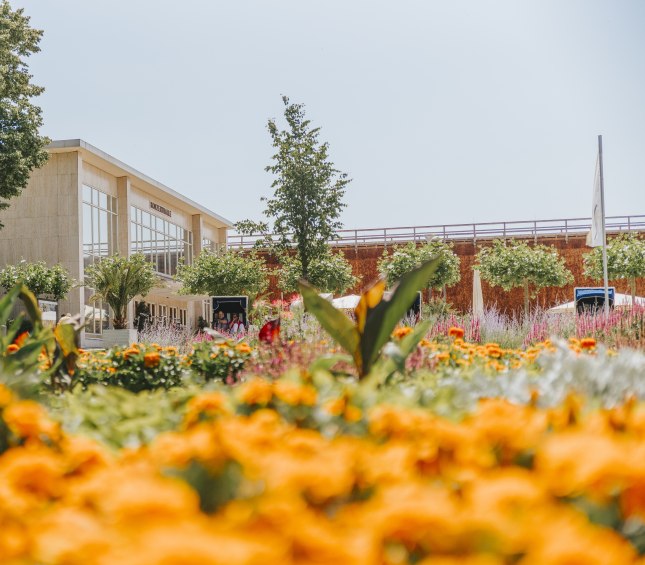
x: 116, y: 280
x: 625, y: 260
x: 406, y: 258
x: 308, y: 190
x: 328, y: 272
x: 519, y: 265
x: 230, y: 273
x: 21, y: 146
x: 40, y: 279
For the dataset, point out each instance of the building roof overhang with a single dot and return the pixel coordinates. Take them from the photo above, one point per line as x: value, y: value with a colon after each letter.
x: 112, y: 165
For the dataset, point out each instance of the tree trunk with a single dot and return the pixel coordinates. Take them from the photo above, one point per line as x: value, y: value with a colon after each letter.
x: 632, y: 285
x: 304, y: 261
x: 526, y: 297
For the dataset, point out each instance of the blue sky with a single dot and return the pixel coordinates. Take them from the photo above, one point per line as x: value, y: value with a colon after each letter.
x: 440, y: 112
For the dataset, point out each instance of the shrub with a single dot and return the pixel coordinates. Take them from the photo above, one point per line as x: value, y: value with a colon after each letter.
x: 405, y: 259
x: 135, y: 368
x: 519, y: 265
x: 219, y: 360
x: 328, y: 272
x: 40, y: 279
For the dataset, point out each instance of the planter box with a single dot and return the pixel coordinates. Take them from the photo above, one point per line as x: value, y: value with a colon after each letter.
x: 119, y: 337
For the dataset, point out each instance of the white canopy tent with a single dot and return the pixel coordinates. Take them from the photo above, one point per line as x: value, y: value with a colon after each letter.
x: 348, y: 302
x: 620, y: 300
x: 297, y: 304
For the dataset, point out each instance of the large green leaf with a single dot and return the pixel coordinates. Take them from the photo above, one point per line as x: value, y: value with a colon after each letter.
x: 387, y: 314
x: 6, y: 304
x: 337, y: 324
x: 31, y: 305
x: 384, y: 367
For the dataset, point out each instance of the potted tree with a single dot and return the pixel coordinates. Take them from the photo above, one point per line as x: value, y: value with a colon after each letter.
x: 116, y: 280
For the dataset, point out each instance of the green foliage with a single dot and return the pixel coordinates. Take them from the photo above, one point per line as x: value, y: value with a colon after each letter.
x: 135, y: 368
x: 230, y: 273
x: 625, y: 259
x: 21, y: 146
x: 220, y: 360
x: 405, y: 258
x: 308, y: 189
x: 116, y: 280
x: 119, y: 418
x: 29, y: 348
x: 328, y: 272
x: 40, y: 279
x: 519, y: 265
x: 376, y: 318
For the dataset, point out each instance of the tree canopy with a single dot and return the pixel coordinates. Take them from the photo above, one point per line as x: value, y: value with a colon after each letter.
x: 328, y: 272
x: 230, y: 273
x: 116, y: 280
x: 516, y: 264
x: 21, y: 145
x: 410, y: 256
x: 54, y: 282
x: 625, y: 260
x: 308, y: 190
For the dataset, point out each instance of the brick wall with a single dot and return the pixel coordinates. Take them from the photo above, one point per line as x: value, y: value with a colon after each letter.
x: 364, y: 262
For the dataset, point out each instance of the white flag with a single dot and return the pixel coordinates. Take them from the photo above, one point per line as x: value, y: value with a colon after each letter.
x: 595, y: 236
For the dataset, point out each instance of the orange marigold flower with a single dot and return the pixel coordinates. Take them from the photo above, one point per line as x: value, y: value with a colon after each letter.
x: 587, y: 343
x: 401, y: 332
x: 295, y: 394
x: 27, y: 418
x: 6, y: 396
x: 20, y: 340
x: 12, y: 348
x: 353, y: 414
x: 256, y: 391
x: 151, y: 359
x: 454, y: 331
x: 130, y: 352
x: 243, y: 348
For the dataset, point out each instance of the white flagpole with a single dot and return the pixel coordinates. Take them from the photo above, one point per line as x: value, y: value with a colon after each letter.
x: 604, y: 235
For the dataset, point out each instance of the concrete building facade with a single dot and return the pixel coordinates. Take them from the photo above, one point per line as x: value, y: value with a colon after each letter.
x: 84, y: 204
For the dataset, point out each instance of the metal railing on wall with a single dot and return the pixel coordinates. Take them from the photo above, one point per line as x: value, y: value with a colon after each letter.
x: 535, y: 229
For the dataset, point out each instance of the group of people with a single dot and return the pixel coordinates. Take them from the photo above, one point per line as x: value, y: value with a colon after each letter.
x: 234, y: 326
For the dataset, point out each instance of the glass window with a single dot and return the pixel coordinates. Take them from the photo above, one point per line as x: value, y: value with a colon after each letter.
x: 99, y: 231
x: 163, y: 242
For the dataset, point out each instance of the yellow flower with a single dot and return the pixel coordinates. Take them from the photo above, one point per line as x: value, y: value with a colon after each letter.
x: 243, y: 348
x: 151, y: 359
x: 456, y: 332
x: 401, y: 332
x: 587, y: 343
x: 295, y: 394
x: 28, y: 419
x: 256, y: 391
x: 131, y: 351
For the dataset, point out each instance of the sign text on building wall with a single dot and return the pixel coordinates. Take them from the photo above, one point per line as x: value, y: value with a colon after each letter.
x: 161, y: 209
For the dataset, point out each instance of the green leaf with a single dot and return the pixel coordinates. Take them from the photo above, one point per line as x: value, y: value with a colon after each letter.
x: 383, y: 368
x: 337, y: 324
x: 6, y: 304
x: 31, y: 305
x: 326, y: 362
x: 382, y: 320
x: 66, y: 339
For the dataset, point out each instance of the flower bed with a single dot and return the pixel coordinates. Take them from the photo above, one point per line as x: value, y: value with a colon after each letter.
x: 317, y: 471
